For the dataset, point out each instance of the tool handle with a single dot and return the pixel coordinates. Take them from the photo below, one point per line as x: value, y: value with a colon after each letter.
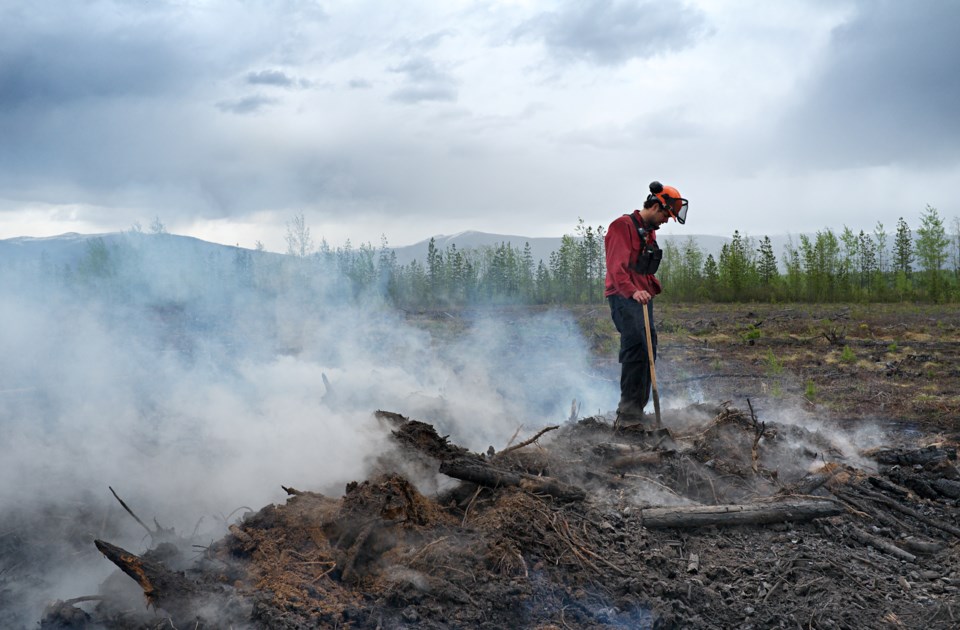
x: 653, y: 369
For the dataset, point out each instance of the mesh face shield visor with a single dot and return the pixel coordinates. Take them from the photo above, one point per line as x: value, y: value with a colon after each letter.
x: 677, y: 208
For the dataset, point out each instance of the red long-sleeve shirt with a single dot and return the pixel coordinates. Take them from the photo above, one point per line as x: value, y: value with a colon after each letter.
x: 622, y: 244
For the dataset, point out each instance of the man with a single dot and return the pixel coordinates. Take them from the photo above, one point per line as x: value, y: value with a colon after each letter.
x: 632, y: 259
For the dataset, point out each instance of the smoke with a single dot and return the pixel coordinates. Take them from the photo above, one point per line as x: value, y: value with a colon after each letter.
x: 196, y: 382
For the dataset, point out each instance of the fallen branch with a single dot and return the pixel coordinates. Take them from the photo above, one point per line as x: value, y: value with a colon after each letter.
x: 876, y: 496
x: 881, y: 545
x: 159, y: 584
x: 152, y: 533
x: 527, y: 442
x: 877, y: 515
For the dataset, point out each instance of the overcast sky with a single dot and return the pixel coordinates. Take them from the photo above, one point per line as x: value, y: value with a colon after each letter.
x: 410, y: 119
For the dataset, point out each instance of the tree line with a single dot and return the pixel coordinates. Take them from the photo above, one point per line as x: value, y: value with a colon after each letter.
x: 879, y: 266
x: 844, y: 266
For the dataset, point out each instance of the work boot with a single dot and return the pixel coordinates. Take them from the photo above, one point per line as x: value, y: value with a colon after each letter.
x: 627, y: 420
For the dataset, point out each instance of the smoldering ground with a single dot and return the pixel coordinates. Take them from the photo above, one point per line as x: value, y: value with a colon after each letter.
x: 196, y: 382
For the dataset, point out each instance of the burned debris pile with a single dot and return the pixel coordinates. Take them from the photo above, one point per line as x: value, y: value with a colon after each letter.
x: 723, y: 521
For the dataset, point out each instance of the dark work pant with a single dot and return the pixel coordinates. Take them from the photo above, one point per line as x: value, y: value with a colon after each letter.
x: 635, y: 379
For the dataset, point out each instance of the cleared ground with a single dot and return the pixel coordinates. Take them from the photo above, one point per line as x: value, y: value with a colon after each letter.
x: 884, y: 362
x: 589, y: 527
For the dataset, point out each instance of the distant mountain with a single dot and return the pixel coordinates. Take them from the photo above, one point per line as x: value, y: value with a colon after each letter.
x: 542, y: 247
x: 67, y: 249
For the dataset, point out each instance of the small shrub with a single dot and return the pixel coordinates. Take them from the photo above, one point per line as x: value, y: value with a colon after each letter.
x: 774, y: 365
x: 892, y: 347
x: 751, y: 334
x: 777, y: 390
x: 810, y: 390
x: 847, y: 355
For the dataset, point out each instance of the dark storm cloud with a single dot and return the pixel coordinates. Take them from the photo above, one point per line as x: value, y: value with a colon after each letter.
x: 423, y: 81
x: 63, y: 57
x: 888, y: 92
x: 611, y: 32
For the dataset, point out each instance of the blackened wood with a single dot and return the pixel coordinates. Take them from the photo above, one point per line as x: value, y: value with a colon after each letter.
x: 159, y: 584
x: 809, y: 483
x: 904, y: 457
x: 921, y: 488
x: 896, y: 505
x: 478, y: 472
x: 881, y: 545
x: 746, y: 514
x: 923, y: 546
x: 883, y: 484
x: 877, y: 514
x: 947, y: 487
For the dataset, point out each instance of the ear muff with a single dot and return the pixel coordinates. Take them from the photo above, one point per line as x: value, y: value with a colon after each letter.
x: 655, y: 189
x: 656, y: 195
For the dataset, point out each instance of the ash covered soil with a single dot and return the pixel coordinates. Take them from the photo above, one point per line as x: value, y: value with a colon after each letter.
x: 841, y: 512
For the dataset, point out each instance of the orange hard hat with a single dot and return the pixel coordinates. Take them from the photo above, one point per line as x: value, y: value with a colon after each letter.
x: 670, y: 200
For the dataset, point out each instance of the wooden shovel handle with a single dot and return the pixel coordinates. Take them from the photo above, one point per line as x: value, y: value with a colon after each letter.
x: 653, y: 369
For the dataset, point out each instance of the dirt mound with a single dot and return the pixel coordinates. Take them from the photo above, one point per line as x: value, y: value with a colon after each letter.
x: 729, y: 522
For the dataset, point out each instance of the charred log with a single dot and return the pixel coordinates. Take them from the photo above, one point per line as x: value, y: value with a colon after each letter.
x: 884, y: 484
x: 480, y: 473
x: 904, y: 457
x: 421, y: 437
x: 747, y: 514
x: 921, y: 487
x: 809, y: 483
x: 947, y: 487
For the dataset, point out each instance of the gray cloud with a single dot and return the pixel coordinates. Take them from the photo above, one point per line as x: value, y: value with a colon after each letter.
x: 276, y: 78
x: 246, y: 105
x: 113, y: 111
x: 65, y: 57
x: 270, y: 77
x: 611, y: 32
x: 405, y: 45
x: 423, y: 81
x: 110, y: 105
x: 888, y: 90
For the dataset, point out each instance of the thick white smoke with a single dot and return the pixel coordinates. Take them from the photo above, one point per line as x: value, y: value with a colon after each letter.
x: 193, y: 394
